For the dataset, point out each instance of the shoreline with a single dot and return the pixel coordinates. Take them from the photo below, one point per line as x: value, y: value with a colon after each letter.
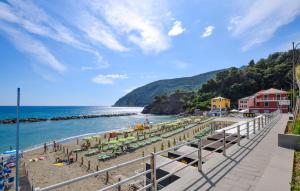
x: 68, y: 140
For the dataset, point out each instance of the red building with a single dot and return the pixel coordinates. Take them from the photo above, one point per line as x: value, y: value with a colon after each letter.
x: 267, y: 101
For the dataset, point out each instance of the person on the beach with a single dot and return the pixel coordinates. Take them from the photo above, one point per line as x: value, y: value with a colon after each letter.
x: 54, y: 146
x: 45, y: 148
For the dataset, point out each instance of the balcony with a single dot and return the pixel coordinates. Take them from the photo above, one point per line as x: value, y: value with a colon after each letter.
x: 271, y: 99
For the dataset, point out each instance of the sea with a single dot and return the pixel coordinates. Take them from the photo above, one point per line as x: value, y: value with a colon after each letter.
x: 33, y: 135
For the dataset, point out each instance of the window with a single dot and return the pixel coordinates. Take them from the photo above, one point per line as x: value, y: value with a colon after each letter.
x: 265, y: 97
x: 278, y: 96
x: 266, y: 104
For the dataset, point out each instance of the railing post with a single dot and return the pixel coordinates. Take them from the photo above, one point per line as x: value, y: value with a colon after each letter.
x: 248, y: 130
x: 265, y: 120
x: 254, y: 124
x: 259, y: 123
x: 262, y: 122
x: 239, y: 135
x: 211, y: 129
x: 224, y: 142
x: 200, y: 155
x: 153, y: 172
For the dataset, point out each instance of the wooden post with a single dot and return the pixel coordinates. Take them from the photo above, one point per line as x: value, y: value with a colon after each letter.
x: 76, y: 156
x: 89, y: 165
x: 154, y: 149
x: 77, y: 141
x: 107, y: 177
x: 119, y: 187
x: 97, y: 168
x: 63, y: 149
x: 81, y: 161
x: 162, y: 146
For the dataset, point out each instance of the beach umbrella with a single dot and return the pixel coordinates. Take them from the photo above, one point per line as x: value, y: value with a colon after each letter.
x: 113, y: 142
x: 87, y: 138
x: 96, y: 136
x: 128, y: 130
x: 122, y: 139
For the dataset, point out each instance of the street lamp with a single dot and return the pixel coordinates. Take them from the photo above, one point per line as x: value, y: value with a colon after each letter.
x: 294, y: 73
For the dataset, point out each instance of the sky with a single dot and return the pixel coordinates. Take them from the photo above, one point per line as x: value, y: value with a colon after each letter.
x: 77, y: 52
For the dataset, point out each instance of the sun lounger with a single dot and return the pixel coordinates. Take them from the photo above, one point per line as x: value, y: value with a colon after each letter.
x: 103, y: 157
x: 91, y: 152
x: 77, y: 150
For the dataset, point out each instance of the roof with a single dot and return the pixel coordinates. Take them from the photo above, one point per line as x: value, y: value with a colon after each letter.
x: 219, y: 97
x: 271, y: 91
x: 248, y: 97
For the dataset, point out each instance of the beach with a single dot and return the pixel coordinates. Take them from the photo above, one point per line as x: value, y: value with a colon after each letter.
x: 44, y: 173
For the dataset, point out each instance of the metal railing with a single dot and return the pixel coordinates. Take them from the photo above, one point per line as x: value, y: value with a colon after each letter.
x: 251, y: 127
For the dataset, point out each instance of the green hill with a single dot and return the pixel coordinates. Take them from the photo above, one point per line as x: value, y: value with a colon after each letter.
x: 145, y: 95
x: 275, y: 71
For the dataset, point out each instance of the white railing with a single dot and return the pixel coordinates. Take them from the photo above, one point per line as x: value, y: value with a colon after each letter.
x: 251, y: 127
x: 272, y: 99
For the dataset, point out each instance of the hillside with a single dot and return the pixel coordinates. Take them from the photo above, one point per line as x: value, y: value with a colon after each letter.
x: 234, y: 83
x: 145, y: 95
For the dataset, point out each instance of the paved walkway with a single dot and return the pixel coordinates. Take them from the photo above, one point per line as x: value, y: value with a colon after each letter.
x: 258, y: 164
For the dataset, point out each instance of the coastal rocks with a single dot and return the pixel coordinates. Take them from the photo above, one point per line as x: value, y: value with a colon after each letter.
x: 169, y: 105
x: 31, y: 120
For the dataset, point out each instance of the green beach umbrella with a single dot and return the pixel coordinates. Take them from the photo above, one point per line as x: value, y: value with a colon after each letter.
x: 113, y: 142
x: 122, y: 139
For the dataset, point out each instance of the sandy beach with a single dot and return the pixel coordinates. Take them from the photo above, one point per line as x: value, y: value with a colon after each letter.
x: 44, y: 173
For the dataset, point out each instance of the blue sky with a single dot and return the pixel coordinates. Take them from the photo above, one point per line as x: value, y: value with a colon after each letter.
x: 77, y: 52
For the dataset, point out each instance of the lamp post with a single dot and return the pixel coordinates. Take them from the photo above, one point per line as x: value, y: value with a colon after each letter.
x: 17, y: 140
x: 294, y: 74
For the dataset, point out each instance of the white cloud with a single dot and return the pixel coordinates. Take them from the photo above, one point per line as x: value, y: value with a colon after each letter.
x: 208, y: 31
x: 177, y: 29
x: 36, y: 21
x: 108, y: 79
x: 261, y: 19
x: 34, y: 48
x: 142, y: 23
x: 97, y: 31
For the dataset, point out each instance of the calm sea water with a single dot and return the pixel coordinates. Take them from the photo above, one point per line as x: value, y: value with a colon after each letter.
x: 33, y: 134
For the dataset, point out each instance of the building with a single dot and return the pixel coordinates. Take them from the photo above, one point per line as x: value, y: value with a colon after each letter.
x: 246, y: 102
x: 267, y: 101
x: 219, y: 105
x: 220, y: 102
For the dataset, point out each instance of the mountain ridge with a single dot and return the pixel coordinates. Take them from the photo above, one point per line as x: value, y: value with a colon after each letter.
x: 145, y: 95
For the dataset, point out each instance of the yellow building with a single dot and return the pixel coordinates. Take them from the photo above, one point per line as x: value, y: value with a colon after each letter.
x: 220, y: 102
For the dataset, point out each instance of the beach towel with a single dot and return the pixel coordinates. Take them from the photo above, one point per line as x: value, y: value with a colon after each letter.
x: 60, y: 164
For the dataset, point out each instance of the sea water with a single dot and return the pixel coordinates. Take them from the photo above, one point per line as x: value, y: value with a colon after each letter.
x: 37, y: 133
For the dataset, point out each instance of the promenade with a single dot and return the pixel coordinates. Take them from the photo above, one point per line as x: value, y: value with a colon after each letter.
x: 258, y: 164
